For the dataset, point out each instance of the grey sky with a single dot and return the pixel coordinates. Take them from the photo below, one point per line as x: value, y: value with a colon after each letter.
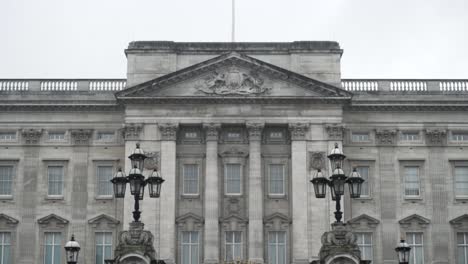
x: 381, y: 39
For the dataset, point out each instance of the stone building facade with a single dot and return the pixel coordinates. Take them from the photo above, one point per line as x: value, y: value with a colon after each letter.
x: 237, y: 131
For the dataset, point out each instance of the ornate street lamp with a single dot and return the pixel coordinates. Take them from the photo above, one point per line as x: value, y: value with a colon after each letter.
x: 403, y: 251
x: 72, y: 249
x: 137, y: 181
x: 337, y: 181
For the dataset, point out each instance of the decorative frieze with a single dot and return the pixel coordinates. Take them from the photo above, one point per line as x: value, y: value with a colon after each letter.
x: 298, y: 130
x: 168, y: 131
x: 132, y: 131
x: 81, y: 136
x: 335, y: 131
x: 385, y: 136
x: 31, y: 136
x: 317, y: 160
x: 436, y: 136
x: 255, y: 130
x: 211, y: 131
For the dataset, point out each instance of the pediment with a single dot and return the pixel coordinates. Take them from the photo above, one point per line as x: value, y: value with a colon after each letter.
x: 232, y: 75
x: 189, y: 217
x: 103, y: 219
x: 363, y: 221
x: 233, y: 218
x: 460, y: 222
x: 52, y: 220
x: 7, y: 222
x: 277, y: 217
x: 414, y: 220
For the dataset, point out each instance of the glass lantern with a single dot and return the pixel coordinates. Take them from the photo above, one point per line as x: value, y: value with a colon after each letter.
x: 154, y: 182
x: 136, y: 180
x: 403, y: 251
x: 338, y: 180
x: 72, y: 249
x: 138, y: 158
x: 355, y: 183
x: 336, y: 157
x: 320, y: 184
x: 120, y: 183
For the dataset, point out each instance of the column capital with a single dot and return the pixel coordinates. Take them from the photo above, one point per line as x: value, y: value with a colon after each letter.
x: 335, y: 131
x: 211, y: 131
x: 168, y: 131
x: 255, y: 130
x: 298, y: 130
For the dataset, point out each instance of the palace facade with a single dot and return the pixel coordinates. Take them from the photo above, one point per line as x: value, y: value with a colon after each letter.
x: 237, y: 131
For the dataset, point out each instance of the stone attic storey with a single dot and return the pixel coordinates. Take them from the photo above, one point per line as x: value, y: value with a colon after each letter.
x: 237, y: 130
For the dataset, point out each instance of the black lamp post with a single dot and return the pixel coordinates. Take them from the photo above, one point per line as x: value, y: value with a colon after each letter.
x: 403, y: 251
x: 72, y: 249
x: 137, y: 181
x: 337, y: 181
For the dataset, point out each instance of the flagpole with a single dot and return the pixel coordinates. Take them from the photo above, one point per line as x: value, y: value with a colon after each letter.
x: 233, y: 39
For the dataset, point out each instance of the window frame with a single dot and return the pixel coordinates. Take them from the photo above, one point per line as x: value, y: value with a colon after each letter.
x: 233, y: 244
x: 363, y: 245
x: 56, y: 196
x: 97, y: 181
x: 370, y: 164
x: 44, y: 251
x: 105, y: 139
x: 3, y: 245
x: 404, y: 139
x: 182, y: 243
x: 277, y: 244
x: 197, y: 193
x: 454, y: 166
x: 12, y: 140
x: 104, y: 245
x: 354, y: 140
x: 413, y: 245
x: 463, y: 133
x: 284, y: 179
x: 421, y: 178
x: 14, y: 173
x: 241, y: 182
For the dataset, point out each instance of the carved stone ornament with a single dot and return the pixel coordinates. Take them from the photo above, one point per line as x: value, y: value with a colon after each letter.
x: 339, y: 241
x: 436, y: 136
x: 335, y: 131
x: 151, y: 161
x: 81, y: 136
x: 135, y: 240
x: 7, y: 222
x: 414, y: 221
x: 317, y: 161
x: 31, y: 136
x: 233, y: 82
x: 212, y: 131
x: 298, y: 130
x: 132, y: 131
x: 168, y: 131
x: 52, y: 221
x: 385, y: 136
x: 255, y: 130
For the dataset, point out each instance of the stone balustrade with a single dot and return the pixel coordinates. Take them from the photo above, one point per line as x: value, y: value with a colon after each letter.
x: 62, y: 85
x: 405, y: 85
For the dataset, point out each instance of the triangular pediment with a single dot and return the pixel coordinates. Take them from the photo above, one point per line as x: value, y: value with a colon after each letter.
x: 414, y: 220
x: 233, y: 218
x: 232, y: 75
x: 277, y: 217
x: 52, y: 220
x: 7, y: 221
x: 460, y: 222
x: 103, y: 219
x: 189, y: 217
x: 363, y: 221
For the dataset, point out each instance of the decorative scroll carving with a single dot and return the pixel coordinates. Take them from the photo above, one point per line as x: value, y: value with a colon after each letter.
x: 31, y: 136
x: 152, y: 160
x: 317, y: 161
x: 255, y: 130
x: 335, y: 131
x: 298, y: 130
x: 168, y: 131
x: 135, y: 240
x: 385, y: 137
x: 339, y: 241
x: 233, y: 82
x: 132, y: 131
x: 436, y: 136
x: 81, y: 136
x: 212, y: 131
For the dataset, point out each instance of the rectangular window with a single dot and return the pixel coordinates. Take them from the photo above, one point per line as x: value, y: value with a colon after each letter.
x: 360, y: 137
x: 364, y: 172
x: 462, y: 248
x: 276, y: 135
x: 190, y: 247
x: 190, y: 174
x: 276, y: 179
x: 105, y: 136
x: 233, y: 245
x: 6, y: 180
x: 460, y: 136
x: 52, y: 248
x: 55, y: 180
x: 104, y: 175
x: 277, y: 247
x: 412, y: 183
x: 233, y: 178
x: 364, y: 241
x: 410, y: 136
x: 191, y: 135
x: 7, y: 136
x: 415, y: 241
x: 103, y: 246
x: 5, y: 248
x: 461, y: 181
x: 56, y: 136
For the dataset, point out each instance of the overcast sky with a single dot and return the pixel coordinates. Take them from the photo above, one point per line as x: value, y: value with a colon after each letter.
x: 381, y: 39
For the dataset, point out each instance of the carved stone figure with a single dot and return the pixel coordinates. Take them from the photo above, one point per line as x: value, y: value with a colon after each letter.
x: 339, y: 242
x: 152, y: 160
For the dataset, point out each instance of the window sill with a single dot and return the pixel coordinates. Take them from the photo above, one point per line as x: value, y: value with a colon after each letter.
x: 364, y: 198
x: 54, y: 197
x: 277, y: 196
x: 110, y: 197
x: 461, y: 199
x: 190, y: 196
x: 6, y: 197
x: 233, y: 195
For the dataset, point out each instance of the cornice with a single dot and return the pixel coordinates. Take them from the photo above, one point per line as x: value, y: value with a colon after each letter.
x: 21, y: 107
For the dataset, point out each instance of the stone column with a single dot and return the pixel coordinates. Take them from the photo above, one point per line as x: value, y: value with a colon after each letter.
x: 167, y: 230
x: 211, y: 244
x: 299, y: 197
x: 255, y: 193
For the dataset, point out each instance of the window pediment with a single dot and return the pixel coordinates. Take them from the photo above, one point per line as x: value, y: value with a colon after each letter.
x: 190, y: 222
x: 277, y: 221
x: 52, y: 220
x: 363, y: 221
x: 414, y: 221
x: 7, y: 222
x: 104, y: 221
x: 460, y: 222
x: 233, y: 222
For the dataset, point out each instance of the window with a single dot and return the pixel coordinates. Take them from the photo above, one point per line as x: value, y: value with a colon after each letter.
x: 233, y: 178
x: 7, y: 136
x: 190, y: 246
x: 103, y: 246
x: 364, y: 241
x: 415, y: 241
x: 461, y: 181
x: 411, y: 174
x: 233, y: 245
x: 277, y: 247
x: 105, y: 136
x: 5, y: 248
x: 460, y: 136
x: 360, y: 137
x: 462, y: 248
x: 6, y: 180
x: 190, y: 174
x: 55, y: 180
x: 233, y: 135
x: 104, y: 175
x: 191, y: 135
x: 52, y: 248
x: 364, y: 172
x: 56, y: 136
x: 276, y: 179
x: 410, y: 136
x: 276, y: 135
